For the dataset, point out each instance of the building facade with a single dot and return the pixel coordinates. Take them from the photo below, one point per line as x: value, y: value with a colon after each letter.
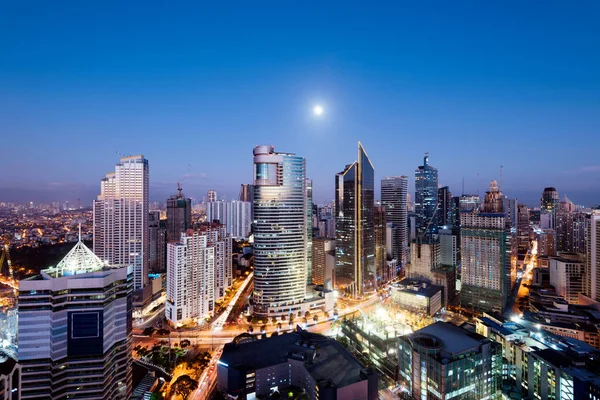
x: 323, y: 251
x: 355, y: 236
x: 394, y: 192
x: 75, y: 326
x: 426, y: 196
x: 198, y: 273
x: 567, y: 276
x: 121, y: 218
x: 179, y: 215
x: 592, y: 259
x: 280, y: 230
x: 235, y: 215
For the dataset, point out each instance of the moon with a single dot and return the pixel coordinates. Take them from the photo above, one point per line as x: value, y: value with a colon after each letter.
x: 318, y: 110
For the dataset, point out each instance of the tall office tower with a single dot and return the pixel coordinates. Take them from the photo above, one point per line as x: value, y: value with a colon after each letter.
x: 211, y: 195
x: 222, y: 243
x: 523, y: 228
x: 235, y: 215
x: 568, y: 226
x: 426, y: 191
x: 190, y: 279
x: 75, y: 330
x: 309, y: 229
x: 280, y: 241
x: 592, y: 259
x: 381, y: 274
x: 409, y: 203
x: 548, y: 207
x: 247, y: 195
x: 545, y: 242
x: 121, y: 218
x: 444, y: 201
x: 323, y: 261
x: 153, y: 240
x: 579, y: 218
x: 354, y: 211
x: 510, y: 207
x: 179, y: 215
x: 486, y: 258
x: 246, y: 192
x: 444, y: 361
x: 394, y: 194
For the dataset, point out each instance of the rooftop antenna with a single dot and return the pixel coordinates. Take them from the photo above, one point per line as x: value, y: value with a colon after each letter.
x: 179, y: 195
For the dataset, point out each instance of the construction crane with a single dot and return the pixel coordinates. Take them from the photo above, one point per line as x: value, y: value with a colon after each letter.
x: 6, y: 255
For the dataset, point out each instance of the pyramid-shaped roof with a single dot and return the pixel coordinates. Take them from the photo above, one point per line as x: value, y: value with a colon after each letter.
x: 79, y: 260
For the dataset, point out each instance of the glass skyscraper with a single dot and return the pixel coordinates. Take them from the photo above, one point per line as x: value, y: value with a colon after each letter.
x: 280, y: 232
x: 355, y: 235
x: 394, y: 190
x: 426, y: 196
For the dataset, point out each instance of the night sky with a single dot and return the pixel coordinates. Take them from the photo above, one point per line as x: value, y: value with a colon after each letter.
x: 194, y: 87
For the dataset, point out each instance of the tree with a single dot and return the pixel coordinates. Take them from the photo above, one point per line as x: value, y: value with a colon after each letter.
x: 315, y: 318
x: 307, y: 314
x: 250, y: 329
x: 183, y: 386
x: 148, y: 331
x: 274, y: 320
x: 263, y: 328
x: 299, y: 313
x: 279, y: 325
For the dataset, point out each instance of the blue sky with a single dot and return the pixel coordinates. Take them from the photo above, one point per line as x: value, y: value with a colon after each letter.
x: 194, y: 87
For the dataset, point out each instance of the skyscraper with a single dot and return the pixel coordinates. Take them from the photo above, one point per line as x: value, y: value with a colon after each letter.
x: 75, y: 330
x: 592, y: 259
x: 235, y: 215
x: 394, y: 193
x: 355, y: 237
x: 121, y: 218
x: 155, y: 243
x: 549, y: 206
x: 198, y: 273
x: 323, y: 261
x: 426, y: 193
x: 211, y: 195
x: 523, y: 228
x: 486, y: 256
x: 179, y: 215
x: 444, y: 214
x: 380, y: 226
x: 280, y: 242
x: 246, y: 192
x: 309, y: 228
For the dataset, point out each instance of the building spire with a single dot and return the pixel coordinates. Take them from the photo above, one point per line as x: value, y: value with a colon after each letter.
x: 79, y: 232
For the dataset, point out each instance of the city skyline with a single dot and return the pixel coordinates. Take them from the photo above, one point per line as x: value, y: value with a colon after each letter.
x: 407, y: 82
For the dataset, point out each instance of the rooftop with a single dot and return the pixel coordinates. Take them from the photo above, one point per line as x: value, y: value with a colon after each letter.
x: 324, y: 358
x: 417, y: 287
x: 79, y: 260
x: 450, y: 338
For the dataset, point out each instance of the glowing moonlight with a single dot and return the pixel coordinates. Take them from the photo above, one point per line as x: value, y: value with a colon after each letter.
x: 318, y: 110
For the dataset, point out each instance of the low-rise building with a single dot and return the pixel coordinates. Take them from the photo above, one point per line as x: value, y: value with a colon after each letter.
x: 417, y: 296
x: 10, y: 378
x: 251, y: 367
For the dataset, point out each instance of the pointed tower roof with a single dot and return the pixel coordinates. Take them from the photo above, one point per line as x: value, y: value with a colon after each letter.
x: 79, y: 260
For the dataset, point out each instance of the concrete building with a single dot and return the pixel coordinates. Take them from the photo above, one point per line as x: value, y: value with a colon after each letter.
x: 443, y: 361
x: 323, y: 250
x: 548, y: 208
x: 417, y: 296
x: 394, y: 193
x: 381, y: 273
x: 425, y: 265
x: 235, y: 215
x: 567, y: 276
x: 546, y: 242
x: 157, y: 243
x: 355, y: 236
x: 523, y: 229
x: 211, y: 196
x: 198, y: 273
x: 250, y: 367
x: 121, y: 218
x: 179, y: 215
x: 280, y: 232
x: 80, y: 349
x: 486, y: 253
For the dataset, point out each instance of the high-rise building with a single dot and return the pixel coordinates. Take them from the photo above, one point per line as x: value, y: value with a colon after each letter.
x: 523, y: 228
x: 309, y: 231
x: 510, y: 207
x: 592, y: 259
x: 235, y: 215
x: 280, y: 242
x: 394, y: 192
x: 469, y: 202
x: 121, y: 218
x: 444, y: 204
x: 355, y: 237
x: 546, y: 240
x: 211, y: 196
x: 156, y: 243
x: 567, y: 276
x: 81, y: 349
x: 548, y: 207
x: 426, y: 195
x: 10, y: 378
x: 565, y: 225
x: 323, y: 261
x: 198, y: 273
x: 246, y: 192
x: 179, y: 215
x: 379, y: 227
x: 486, y: 258
x: 444, y: 361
